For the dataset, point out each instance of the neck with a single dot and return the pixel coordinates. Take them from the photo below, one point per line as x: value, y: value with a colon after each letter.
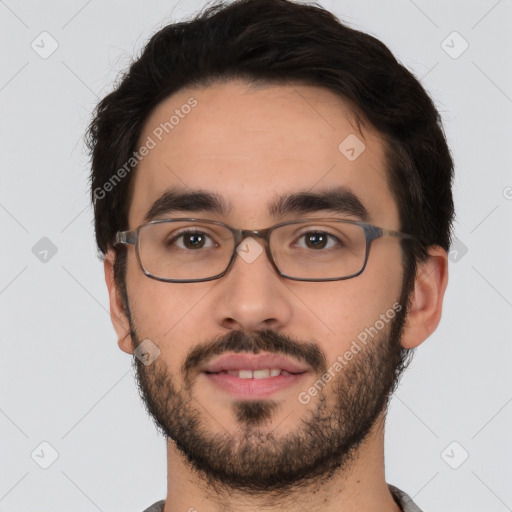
x: 361, y: 487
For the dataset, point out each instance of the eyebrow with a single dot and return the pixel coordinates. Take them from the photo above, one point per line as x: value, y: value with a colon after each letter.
x: 339, y: 200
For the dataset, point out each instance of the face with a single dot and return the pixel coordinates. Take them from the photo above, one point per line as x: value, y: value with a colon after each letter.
x: 251, y: 148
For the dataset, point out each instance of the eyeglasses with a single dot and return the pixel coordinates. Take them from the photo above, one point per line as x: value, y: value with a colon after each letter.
x: 194, y: 250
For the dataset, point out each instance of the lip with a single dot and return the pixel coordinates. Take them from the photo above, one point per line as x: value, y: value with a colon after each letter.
x: 215, y: 372
x: 253, y: 362
x: 248, y: 389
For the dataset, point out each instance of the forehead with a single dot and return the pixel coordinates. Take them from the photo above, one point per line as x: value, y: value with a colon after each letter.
x: 251, y: 147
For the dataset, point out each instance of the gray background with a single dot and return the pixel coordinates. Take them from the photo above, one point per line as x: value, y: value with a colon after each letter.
x: 63, y: 379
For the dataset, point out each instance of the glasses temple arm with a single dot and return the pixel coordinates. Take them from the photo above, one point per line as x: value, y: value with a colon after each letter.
x: 125, y: 237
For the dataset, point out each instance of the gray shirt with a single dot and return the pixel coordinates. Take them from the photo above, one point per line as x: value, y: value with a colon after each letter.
x: 403, y: 500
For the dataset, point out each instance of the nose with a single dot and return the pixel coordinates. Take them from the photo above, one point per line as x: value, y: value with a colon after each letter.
x: 252, y: 295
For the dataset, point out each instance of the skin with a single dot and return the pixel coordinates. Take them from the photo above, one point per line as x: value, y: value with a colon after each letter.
x: 249, y: 145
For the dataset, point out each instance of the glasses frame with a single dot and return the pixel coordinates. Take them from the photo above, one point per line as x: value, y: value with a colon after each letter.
x: 371, y: 232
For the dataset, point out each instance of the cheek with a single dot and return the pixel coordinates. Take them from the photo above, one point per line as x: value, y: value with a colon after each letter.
x: 155, y: 306
x: 166, y: 313
x: 344, y: 309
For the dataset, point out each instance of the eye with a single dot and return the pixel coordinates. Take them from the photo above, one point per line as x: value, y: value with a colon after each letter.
x: 319, y: 240
x: 191, y: 239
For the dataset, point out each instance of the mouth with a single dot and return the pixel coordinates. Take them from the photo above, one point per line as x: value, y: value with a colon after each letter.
x: 264, y: 373
x: 253, y: 376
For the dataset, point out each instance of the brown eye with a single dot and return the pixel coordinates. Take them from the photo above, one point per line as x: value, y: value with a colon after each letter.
x: 316, y: 240
x: 191, y: 240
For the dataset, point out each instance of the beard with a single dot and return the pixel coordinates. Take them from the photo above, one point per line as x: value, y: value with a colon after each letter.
x: 255, y: 459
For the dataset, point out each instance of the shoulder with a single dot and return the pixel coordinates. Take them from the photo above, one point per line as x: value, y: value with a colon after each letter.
x: 156, y: 507
x: 403, y: 499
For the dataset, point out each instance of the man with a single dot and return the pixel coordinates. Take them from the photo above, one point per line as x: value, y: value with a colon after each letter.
x: 267, y: 356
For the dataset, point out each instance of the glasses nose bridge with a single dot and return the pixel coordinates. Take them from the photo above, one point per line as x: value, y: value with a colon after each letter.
x: 242, y: 234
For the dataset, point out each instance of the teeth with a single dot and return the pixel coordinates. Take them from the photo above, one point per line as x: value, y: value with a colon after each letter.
x: 258, y: 374
x: 261, y: 374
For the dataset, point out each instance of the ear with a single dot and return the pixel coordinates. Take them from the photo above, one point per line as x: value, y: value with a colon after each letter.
x: 117, y: 312
x: 427, y: 298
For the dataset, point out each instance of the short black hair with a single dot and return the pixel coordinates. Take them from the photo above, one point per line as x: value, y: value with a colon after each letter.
x: 280, y: 42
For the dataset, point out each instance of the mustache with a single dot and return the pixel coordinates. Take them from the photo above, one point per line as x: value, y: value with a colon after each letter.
x: 265, y: 340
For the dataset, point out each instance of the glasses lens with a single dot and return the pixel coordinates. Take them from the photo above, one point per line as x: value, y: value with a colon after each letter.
x: 323, y: 250
x: 183, y: 250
